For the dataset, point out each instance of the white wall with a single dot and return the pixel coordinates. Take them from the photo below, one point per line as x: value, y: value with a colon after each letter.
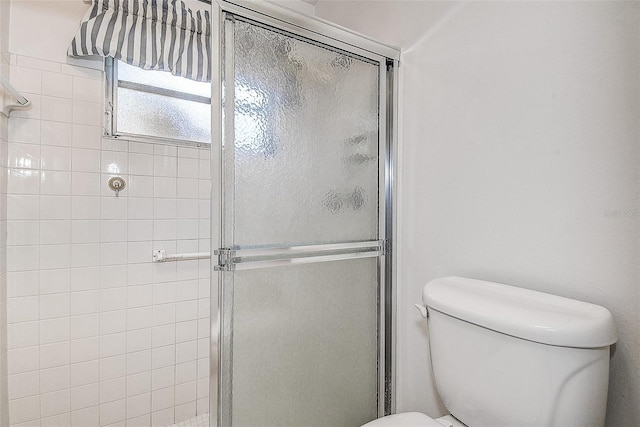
x: 520, y: 153
x: 4, y: 97
x: 4, y: 26
x: 44, y: 29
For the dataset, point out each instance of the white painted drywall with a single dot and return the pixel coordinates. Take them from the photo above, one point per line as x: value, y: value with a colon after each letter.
x: 4, y: 25
x: 304, y: 6
x: 40, y: 28
x: 398, y: 23
x: 520, y: 156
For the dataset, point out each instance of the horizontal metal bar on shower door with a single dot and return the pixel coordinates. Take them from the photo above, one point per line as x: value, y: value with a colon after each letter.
x: 292, y: 250
x: 251, y: 265
x: 245, y: 259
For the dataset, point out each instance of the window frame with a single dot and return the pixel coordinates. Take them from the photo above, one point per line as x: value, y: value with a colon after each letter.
x: 112, y: 83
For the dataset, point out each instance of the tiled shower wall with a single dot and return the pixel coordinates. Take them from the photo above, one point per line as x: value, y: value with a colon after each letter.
x: 4, y: 400
x: 4, y: 71
x: 98, y: 335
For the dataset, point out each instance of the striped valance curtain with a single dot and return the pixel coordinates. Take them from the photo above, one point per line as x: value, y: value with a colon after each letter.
x: 151, y: 34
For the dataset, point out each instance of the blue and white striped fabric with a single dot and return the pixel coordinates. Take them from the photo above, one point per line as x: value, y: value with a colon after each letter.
x: 151, y: 34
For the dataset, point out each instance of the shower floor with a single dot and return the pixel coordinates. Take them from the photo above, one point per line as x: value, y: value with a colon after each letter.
x: 199, y: 421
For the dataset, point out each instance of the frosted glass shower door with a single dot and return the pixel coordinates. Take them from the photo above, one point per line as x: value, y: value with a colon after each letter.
x: 302, y: 249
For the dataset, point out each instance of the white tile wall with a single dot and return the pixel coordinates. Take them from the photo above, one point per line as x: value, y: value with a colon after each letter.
x: 4, y: 125
x: 97, y: 334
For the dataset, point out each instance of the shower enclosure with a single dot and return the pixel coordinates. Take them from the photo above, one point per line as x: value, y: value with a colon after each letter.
x: 115, y: 312
x: 302, y: 139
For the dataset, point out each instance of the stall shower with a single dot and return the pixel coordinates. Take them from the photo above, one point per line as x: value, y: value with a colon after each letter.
x: 159, y: 276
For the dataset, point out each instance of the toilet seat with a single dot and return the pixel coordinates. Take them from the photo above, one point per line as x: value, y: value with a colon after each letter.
x: 413, y: 419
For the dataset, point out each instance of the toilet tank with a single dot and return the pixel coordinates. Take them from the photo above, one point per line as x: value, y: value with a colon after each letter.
x: 504, y: 356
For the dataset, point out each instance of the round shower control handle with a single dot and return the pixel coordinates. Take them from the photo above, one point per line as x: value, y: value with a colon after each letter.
x: 117, y: 184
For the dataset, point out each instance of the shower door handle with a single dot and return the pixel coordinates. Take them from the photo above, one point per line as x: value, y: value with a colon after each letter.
x: 247, y: 259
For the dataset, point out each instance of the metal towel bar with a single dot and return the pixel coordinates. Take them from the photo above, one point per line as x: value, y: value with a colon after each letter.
x: 160, y: 255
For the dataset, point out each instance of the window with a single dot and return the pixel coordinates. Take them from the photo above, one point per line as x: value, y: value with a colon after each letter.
x: 156, y: 104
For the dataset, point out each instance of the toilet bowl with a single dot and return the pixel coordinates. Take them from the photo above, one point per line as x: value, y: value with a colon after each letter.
x: 414, y: 419
x: 504, y: 356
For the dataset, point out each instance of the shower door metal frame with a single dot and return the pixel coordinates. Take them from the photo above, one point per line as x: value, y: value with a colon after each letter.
x: 317, y: 30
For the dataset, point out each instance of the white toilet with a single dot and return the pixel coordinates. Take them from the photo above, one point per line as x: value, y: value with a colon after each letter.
x: 510, y: 357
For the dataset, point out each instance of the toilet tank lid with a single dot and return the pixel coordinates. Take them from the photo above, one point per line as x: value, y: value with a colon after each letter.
x: 522, y: 313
